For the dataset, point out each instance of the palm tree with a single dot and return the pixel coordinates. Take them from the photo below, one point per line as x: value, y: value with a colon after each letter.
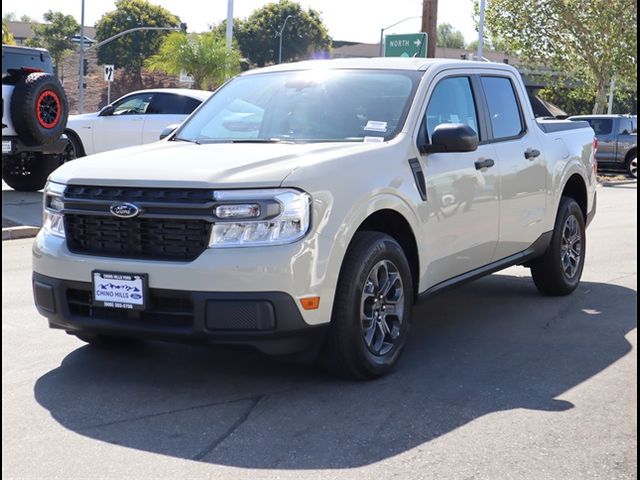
x: 203, y: 56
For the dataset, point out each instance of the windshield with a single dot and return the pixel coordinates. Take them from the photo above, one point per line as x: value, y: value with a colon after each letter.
x: 306, y: 106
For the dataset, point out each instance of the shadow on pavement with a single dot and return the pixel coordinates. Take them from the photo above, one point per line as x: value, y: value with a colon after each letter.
x: 489, y: 346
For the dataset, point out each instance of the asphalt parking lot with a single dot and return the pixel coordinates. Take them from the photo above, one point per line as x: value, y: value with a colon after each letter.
x: 497, y: 382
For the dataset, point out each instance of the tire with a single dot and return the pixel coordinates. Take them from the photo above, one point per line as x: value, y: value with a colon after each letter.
x: 73, y: 149
x: 632, y: 166
x: 28, y: 173
x: 39, y: 109
x: 358, y: 346
x: 558, y: 272
x: 103, y: 341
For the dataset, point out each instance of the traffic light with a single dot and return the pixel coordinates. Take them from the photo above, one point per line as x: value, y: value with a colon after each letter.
x: 183, y: 27
x: 85, y: 66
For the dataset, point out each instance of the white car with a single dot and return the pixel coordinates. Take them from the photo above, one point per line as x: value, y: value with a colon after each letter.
x: 138, y: 117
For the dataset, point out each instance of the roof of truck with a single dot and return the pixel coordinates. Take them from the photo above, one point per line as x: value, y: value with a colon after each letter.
x: 386, y: 63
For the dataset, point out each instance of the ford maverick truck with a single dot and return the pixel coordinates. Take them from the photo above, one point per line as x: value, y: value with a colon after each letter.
x: 307, y: 207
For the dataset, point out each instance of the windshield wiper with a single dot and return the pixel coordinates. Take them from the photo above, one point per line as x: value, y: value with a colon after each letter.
x: 257, y: 140
x: 180, y: 139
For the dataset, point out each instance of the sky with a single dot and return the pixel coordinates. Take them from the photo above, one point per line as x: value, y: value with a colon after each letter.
x: 354, y: 20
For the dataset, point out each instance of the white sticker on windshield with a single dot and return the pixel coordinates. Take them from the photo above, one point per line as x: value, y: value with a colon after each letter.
x: 373, y: 126
x: 373, y: 139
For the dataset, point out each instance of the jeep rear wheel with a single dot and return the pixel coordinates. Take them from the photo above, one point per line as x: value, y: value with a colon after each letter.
x: 39, y: 109
x: 29, y: 172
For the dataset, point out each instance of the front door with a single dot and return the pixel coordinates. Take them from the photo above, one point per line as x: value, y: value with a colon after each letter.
x: 462, y: 198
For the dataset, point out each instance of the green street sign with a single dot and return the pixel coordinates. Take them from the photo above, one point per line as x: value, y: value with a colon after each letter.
x: 408, y: 45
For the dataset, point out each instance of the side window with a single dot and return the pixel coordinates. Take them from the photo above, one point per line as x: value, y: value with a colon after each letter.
x: 167, y: 104
x: 452, y: 102
x: 190, y: 104
x: 504, y: 108
x: 602, y: 126
x: 133, y: 105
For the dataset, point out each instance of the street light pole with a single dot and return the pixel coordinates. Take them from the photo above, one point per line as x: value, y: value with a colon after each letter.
x: 281, y: 31
x: 81, y: 80
x: 483, y: 4
x: 229, y: 24
x: 387, y: 28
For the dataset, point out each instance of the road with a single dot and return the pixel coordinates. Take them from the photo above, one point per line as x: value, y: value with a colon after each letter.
x: 496, y: 382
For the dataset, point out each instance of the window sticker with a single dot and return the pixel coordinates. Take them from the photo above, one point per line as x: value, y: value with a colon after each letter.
x: 373, y: 126
x: 373, y: 140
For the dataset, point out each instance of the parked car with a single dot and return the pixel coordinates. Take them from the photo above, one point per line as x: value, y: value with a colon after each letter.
x: 617, y: 141
x: 34, y: 116
x: 364, y: 185
x: 137, y: 118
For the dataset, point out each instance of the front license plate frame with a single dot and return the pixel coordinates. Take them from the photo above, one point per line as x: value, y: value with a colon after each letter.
x: 119, y: 290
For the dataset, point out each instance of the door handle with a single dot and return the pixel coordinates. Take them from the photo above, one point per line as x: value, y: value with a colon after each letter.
x: 531, y: 153
x: 482, y: 164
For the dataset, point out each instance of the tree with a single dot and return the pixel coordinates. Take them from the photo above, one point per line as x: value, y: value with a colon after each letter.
x: 7, y: 36
x: 55, y: 35
x: 592, y: 40
x: 449, y: 37
x: 131, y: 50
x: 9, y: 17
x: 304, y: 35
x: 203, y: 56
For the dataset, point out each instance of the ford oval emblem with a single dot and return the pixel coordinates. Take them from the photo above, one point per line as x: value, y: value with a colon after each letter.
x: 124, y: 210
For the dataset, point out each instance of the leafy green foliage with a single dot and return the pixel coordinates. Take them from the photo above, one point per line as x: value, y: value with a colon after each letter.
x: 304, y: 35
x: 7, y: 36
x: 593, y: 40
x: 449, y: 37
x: 131, y: 50
x: 204, y: 56
x: 55, y: 35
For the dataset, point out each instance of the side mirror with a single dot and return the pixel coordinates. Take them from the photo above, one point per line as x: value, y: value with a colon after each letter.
x: 106, y: 111
x: 166, y: 131
x: 451, y: 138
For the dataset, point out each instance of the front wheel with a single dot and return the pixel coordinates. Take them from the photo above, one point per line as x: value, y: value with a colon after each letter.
x: 372, y: 309
x: 558, y: 272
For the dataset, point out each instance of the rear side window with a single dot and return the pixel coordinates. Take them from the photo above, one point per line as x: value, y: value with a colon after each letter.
x: 166, y: 104
x: 452, y: 102
x: 601, y: 126
x: 506, y: 117
x: 190, y: 104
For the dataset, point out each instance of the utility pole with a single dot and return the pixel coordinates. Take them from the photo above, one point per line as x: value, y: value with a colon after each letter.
x: 481, y: 31
x: 612, y: 95
x: 430, y: 25
x: 229, y: 35
x: 81, y: 70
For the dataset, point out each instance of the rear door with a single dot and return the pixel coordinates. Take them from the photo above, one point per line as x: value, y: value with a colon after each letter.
x: 166, y: 109
x: 124, y: 127
x: 607, y: 139
x: 523, y: 166
x: 461, y: 231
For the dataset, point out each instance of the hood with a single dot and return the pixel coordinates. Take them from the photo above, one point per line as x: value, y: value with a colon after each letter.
x: 187, y: 165
x: 82, y: 116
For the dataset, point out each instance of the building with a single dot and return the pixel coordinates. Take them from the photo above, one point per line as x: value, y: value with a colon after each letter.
x: 22, y: 31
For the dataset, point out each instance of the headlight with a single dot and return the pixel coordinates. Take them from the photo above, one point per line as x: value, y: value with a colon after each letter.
x: 52, y: 209
x: 250, y: 218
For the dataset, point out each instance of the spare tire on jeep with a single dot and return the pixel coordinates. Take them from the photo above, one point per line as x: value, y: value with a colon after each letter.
x: 39, y: 109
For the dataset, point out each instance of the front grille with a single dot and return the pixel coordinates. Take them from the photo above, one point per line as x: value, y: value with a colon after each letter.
x: 166, y: 309
x: 138, y: 238
x: 129, y: 194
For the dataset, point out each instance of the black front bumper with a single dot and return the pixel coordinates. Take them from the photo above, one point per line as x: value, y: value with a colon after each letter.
x: 269, y: 321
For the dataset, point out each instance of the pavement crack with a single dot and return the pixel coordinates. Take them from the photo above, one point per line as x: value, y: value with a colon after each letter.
x: 168, y: 412
x: 237, y: 424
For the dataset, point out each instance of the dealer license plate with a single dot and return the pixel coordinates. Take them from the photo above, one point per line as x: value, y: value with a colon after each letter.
x: 119, y: 290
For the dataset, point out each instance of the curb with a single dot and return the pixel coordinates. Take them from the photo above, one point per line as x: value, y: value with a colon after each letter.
x: 619, y: 182
x: 14, y: 233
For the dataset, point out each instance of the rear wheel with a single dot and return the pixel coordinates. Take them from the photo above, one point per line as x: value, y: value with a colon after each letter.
x: 28, y: 172
x: 559, y: 271
x: 372, y: 309
x: 632, y: 166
